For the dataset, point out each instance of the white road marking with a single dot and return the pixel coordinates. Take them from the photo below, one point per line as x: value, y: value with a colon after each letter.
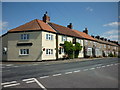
x: 92, y: 68
x: 98, y: 67
x: 8, y: 82
x: 35, y: 64
x: 15, y: 66
x: 9, y: 65
x: 85, y: 69
x: 116, y: 64
x: 57, y: 74
x: 11, y: 85
x: 103, y: 66
x: 77, y: 71
x: 68, y: 72
x: 111, y: 64
x: 44, y: 77
x: 27, y: 79
x: 31, y: 80
x: 108, y: 65
x: 40, y: 84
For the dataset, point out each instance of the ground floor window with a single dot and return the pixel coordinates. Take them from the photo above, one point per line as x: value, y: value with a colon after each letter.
x: 89, y: 51
x: 24, y: 52
x: 49, y: 51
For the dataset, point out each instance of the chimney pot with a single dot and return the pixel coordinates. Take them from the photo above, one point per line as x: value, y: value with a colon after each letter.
x: 86, y: 31
x: 46, y: 18
x: 70, y: 26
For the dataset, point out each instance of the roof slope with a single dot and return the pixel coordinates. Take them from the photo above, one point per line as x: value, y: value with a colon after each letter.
x: 84, y: 35
x: 64, y: 30
x: 33, y: 25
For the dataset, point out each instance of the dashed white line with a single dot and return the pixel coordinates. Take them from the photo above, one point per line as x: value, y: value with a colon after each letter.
x: 92, y: 68
x: 9, y: 65
x: 57, y: 74
x: 98, y: 67
x: 85, y: 70
x: 15, y: 66
x: 108, y: 65
x: 103, y: 66
x: 30, y: 81
x: 116, y: 64
x: 77, y: 71
x: 44, y: 77
x: 68, y: 72
x: 27, y: 79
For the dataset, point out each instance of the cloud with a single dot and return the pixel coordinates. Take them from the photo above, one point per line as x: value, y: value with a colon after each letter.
x: 111, y: 34
x: 89, y: 9
x: 112, y: 24
x: 3, y: 26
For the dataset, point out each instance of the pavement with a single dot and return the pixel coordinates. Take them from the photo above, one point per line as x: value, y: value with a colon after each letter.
x: 77, y: 73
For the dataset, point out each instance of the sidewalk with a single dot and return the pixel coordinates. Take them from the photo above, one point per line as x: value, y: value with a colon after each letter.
x: 57, y: 61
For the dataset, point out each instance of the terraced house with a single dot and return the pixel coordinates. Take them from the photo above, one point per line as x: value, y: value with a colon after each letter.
x: 42, y: 40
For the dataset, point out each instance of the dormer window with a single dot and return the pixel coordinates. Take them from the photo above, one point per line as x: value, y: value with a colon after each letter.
x: 24, y: 36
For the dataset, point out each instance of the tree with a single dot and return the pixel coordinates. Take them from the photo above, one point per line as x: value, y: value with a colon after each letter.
x: 78, y: 48
x: 68, y: 49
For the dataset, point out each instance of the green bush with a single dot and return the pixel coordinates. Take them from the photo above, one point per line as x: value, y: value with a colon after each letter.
x: 78, y: 48
x: 68, y: 48
x: 110, y: 55
x: 72, y: 51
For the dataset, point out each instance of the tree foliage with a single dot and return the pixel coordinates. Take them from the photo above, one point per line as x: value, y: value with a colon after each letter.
x: 72, y: 50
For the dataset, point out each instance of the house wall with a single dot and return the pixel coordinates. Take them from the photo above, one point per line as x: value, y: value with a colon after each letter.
x: 62, y: 42
x: 81, y: 54
x: 4, y: 43
x: 35, y: 51
x: 48, y: 44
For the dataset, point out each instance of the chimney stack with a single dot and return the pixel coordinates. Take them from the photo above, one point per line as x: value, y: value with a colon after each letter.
x: 92, y: 36
x: 46, y: 18
x: 86, y: 31
x: 70, y: 26
x: 98, y: 37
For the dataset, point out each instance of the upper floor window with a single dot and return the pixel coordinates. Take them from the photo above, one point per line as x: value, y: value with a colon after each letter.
x: 95, y: 43
x: 49, y: 37
x: 104, y: 46
x: 64, y: 38
x: 24, y: 36
x: 86, y: 42
x: 24, y: 52
x: 79, y: 41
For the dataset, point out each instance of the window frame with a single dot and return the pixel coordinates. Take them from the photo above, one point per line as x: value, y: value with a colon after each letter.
x: 49, y: 52
x: 24, y: 37
x: 24, y: 51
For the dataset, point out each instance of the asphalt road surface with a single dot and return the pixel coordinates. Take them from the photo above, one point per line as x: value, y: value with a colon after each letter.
x: 99, y: 73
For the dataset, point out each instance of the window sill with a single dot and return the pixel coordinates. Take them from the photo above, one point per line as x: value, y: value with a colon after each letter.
x: 24, y: 55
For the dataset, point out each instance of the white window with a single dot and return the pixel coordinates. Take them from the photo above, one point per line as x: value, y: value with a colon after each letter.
x: 64, y: 38
x: 49, y: 37
x: 49, y: 51
x: 24, y: 52
x: 79, y: 41
x: 62, y: 50
x: 94, y: 43
x: 24, y: 36
x: 86, y: 42
x: 104, y: 46
x: 89, y: 51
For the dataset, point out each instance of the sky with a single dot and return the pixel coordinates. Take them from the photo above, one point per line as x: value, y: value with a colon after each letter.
x: 101, y: 18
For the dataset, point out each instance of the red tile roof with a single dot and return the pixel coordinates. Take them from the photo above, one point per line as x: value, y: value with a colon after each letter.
x: 33, y: 25
x: 84, y: 35
x: 64, y: 30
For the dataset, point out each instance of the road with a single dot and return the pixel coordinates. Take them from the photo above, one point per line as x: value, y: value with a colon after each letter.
x: 98, y: 73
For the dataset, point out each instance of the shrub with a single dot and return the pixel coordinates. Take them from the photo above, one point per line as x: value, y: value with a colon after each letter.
x: 110, y: 55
